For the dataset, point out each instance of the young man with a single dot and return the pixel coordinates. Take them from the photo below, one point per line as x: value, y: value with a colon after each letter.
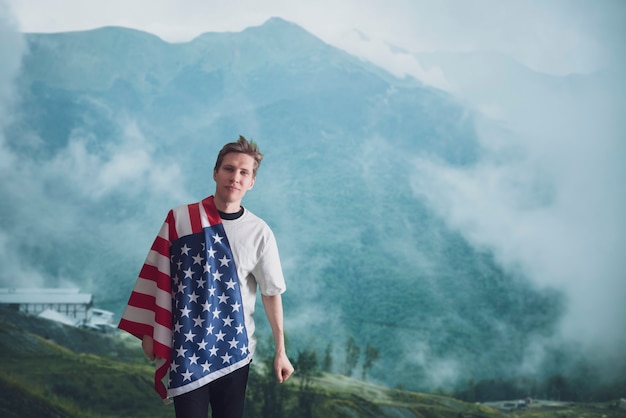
x: 193, y: 303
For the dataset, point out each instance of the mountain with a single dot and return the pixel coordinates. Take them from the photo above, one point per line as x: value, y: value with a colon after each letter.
x: 114, y: 126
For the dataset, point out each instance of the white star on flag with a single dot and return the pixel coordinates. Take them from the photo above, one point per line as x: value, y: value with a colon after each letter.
x: 224, y: 261
x: 197, y: 259
x: 233, y: 343
x: 197, y: 321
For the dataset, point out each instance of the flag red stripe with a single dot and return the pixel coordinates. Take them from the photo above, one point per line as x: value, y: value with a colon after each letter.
x: 161, y: 246
x: 162, y: 351
x: 194, y: 218
x: 159, y: 374
x: 171, y: 223
x: 162, y: 280
x: 135, y: 328
x: 211, y: 211
x: 143, y: 301
x: 162, y: 316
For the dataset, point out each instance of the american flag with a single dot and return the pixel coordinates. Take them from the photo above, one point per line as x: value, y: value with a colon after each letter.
x: 187, y: 297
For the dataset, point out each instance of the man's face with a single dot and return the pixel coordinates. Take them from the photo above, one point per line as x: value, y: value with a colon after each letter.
x: 234, y: 178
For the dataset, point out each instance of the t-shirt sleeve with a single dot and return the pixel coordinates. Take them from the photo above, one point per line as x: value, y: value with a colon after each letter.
x: 268, y: 271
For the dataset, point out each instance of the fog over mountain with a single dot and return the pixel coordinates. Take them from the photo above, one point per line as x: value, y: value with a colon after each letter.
x: 469, y: 228
x: 558, y: 193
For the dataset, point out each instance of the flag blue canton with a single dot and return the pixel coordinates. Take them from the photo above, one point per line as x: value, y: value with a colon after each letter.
x: 209, y: 335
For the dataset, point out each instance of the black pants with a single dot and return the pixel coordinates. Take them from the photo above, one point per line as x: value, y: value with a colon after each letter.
x: 226, y: 396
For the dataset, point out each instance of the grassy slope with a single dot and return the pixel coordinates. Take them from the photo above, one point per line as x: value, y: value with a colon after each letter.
x: 79, y: 383
x: 19, y: 400
x: 49, y: 370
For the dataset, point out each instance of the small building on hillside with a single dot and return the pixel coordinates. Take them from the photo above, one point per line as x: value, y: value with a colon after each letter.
x: 68, y: 306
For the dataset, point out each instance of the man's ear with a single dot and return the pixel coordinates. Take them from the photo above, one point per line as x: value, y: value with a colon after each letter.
x: 252, y: 184
x: 215, y: 175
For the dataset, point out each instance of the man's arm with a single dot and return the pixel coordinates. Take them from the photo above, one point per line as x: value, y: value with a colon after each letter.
x: 274, y: 310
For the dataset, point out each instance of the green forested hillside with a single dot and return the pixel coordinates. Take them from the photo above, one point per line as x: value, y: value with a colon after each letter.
x: 52, y: 370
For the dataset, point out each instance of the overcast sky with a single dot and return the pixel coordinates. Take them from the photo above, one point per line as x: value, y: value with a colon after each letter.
x: 557, y: 36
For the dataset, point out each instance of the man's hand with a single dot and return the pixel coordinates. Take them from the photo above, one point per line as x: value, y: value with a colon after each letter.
x: 282, y: 367
x: 147, y: 343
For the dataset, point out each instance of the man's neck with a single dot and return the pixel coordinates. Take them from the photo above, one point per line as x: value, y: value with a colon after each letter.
x: 227, y: 207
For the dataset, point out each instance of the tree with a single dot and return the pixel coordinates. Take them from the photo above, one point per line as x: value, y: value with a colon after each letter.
x: 267, y: 397
x: 307, y: 367
x: 327, y: 362
x: 558, y: 388
x: 306, y: 364
x: 371, y: 355
x: 352, y: 356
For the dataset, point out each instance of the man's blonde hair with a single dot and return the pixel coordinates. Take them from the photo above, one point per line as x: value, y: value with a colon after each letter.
x: 242, y: 146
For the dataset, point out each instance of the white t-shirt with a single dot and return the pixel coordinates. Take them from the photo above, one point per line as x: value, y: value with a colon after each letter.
x: 258, y: 263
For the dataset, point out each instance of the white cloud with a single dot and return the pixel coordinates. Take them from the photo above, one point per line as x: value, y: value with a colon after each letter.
x: 547, y: 198
x: 11, y: 49
x: 17, y: 272
x: 126, y: 165
x: 399, y: 63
